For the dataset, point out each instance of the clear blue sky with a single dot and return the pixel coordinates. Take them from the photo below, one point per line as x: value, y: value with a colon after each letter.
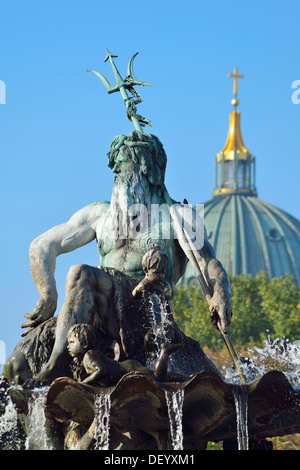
x: 58, y: 121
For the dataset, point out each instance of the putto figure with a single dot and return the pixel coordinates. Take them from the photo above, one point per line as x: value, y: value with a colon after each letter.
x: 96, y: 368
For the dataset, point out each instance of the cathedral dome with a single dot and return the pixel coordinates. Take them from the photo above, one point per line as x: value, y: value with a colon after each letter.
x: 248, y: 234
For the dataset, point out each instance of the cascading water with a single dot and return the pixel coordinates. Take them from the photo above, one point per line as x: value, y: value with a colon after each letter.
x: 102, y: 416
x: 10, y: 437
x: 241, y: 406
x: 158, y: 310
x: 159, y: 321
x: 174, y: 402
x: 37, y: 437
x: 279, y: 354
x: 157, y: 318
x: 154, y: 311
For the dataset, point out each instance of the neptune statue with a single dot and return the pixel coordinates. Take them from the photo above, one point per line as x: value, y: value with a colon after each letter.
x: 137, y: 219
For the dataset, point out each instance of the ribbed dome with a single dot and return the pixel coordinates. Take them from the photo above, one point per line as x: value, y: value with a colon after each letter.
x: 250, y: 235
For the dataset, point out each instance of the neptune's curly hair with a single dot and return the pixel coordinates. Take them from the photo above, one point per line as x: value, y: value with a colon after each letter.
x: 143, y: 149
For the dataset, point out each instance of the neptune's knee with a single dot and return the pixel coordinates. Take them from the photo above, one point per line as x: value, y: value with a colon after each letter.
x: 79, y: 275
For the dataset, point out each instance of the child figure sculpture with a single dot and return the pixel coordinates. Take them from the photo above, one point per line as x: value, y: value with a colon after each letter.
x: 99, y: 369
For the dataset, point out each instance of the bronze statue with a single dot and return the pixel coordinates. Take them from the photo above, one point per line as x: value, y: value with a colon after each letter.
x: 116, y: 334
x: 101, y: 296
x: 97, y: 368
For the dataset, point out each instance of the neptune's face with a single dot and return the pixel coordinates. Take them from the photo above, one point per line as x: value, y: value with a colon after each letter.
x: 142, y: 154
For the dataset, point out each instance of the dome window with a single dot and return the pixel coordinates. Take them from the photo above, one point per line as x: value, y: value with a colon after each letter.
x: 274, y: 235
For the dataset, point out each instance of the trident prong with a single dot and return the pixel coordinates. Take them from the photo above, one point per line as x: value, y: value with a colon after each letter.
x: 122, y: 86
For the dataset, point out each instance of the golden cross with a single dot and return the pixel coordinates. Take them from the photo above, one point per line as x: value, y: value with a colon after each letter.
x: 235, y: 77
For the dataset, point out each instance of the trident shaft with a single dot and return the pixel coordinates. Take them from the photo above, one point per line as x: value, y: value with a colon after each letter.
x: 123, y: 86
x: 191, y: 252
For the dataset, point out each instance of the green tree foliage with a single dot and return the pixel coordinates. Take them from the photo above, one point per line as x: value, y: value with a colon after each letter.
x: 260, y: 306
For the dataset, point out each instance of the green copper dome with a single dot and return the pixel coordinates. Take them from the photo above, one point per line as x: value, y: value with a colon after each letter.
x: 248, y: 234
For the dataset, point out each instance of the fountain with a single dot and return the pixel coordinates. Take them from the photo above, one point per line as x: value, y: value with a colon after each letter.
x: 102, y: 425
x: 113, y: 370
x: 10, y: 437
x: 37, y: 437
x: 241, y: 407
x: 174, y: 402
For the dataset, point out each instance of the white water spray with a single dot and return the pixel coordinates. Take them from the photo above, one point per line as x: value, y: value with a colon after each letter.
x: 174, y: 402
x: 280, y: 354
x: 158, y: 317
x: 102, y: 416
x: 37, y: 437
x: 241, y: 406
x: 9, y: 421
